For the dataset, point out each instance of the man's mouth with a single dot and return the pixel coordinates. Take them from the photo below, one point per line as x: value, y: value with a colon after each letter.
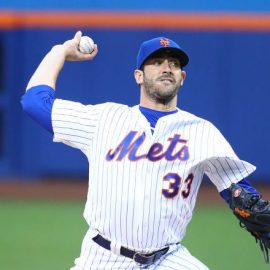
x: 167, y: 80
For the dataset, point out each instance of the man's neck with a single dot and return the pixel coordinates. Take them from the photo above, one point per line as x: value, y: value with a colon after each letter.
x: 158, y: 106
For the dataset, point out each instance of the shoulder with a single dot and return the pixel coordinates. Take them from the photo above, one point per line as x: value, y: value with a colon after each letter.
x: 111, y: 108
x: 199, y: 122
x: 113, y: 105
x: 102, y: 106
x: 61, y: 105
x: 187, y: 116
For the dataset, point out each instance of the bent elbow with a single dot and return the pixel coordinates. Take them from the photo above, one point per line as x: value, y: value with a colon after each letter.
x: 24, y: 103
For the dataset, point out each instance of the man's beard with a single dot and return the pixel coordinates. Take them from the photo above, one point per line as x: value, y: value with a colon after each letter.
x: 161, y: 93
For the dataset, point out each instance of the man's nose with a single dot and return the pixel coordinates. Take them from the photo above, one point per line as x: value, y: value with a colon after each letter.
x: 166, y: 66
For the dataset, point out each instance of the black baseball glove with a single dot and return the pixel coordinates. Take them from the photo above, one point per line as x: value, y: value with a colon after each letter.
x: 254, y: 215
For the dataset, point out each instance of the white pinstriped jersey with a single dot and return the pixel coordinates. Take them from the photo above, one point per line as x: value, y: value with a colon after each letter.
x: 143, y: 186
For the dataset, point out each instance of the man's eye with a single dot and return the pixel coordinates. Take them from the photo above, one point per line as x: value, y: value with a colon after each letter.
x: 157, y: 62
x: 175, y: 64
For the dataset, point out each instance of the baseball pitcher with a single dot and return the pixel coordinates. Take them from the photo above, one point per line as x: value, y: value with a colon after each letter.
x: 147, y: 162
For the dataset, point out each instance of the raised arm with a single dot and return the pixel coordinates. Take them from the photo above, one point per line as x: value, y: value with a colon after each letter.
x: 38, y: 102
x: 49, y: 68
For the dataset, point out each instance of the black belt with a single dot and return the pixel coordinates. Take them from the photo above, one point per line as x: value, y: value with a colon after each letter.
x: 139, y: 258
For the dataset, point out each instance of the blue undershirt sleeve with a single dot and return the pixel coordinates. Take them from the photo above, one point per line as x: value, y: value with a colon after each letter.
x: 37, y: 102
x: 243, y: 183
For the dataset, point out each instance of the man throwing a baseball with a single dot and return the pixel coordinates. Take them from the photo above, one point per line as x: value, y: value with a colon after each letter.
x: 147, y: 162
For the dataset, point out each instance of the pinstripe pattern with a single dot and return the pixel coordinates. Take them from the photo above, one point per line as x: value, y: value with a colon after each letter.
x: 126, y: 203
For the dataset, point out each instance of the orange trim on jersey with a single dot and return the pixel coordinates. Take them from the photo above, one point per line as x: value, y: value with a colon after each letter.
x: 136, y: 20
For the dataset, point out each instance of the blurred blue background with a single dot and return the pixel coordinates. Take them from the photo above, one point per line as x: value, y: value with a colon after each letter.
x: 172, y: 5
x: 227, y: 78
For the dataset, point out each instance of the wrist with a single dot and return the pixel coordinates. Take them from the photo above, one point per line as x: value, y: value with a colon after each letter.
x: 59, y: 50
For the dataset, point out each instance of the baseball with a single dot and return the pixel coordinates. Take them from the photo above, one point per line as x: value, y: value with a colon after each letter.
x: 86, y: 45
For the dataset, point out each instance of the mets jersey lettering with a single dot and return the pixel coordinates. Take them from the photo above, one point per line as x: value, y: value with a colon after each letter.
x: 130, y: 145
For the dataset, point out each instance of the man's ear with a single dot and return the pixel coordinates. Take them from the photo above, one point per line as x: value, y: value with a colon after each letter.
x: 183, y: 75
x: 138, y: 75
